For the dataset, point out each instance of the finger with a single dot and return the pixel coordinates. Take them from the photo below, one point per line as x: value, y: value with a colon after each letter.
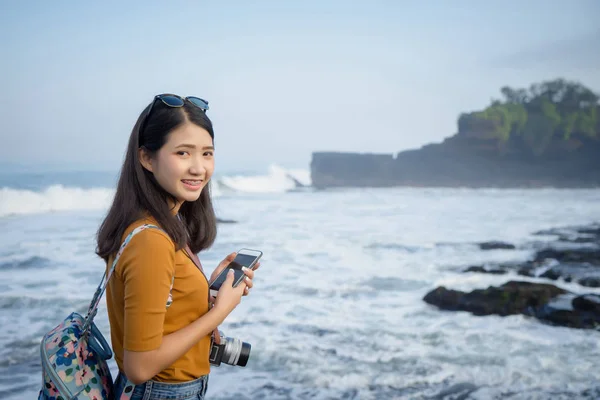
x: 241, y: 287
x: 256, y: 266
x: 246, y: 291
x: 226, y: 261
x: 248, y: 282
x: 229, y: 279
x: 249, y: 273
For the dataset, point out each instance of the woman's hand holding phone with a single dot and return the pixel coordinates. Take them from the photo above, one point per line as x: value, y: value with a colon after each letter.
x: 248, y: 272
x: 229, y: 297
x: 222, y: 265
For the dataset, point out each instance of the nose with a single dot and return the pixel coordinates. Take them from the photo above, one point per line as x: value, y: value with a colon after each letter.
x: 197, y: 167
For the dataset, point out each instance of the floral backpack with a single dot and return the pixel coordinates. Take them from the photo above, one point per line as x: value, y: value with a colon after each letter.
x: 74, y: 354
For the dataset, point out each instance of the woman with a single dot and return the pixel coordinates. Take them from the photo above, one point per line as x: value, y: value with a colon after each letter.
x: 160, y: 314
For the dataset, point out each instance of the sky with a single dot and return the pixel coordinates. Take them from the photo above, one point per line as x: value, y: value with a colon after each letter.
x: 283, y: 79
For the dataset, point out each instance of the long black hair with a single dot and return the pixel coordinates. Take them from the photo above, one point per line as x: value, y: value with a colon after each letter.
x: 138, y: 193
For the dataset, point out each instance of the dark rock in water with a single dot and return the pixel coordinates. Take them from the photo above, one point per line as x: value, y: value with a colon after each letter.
x: 446, y: 299
x: 578, y: 239
x: 582, y: 255
x: 496, y: 245
x: 574, y: 234
x: 575, y: 312
x: 479, y: 268
x: 543, y: 301
x: 551, y: 274
x: 593, y: 229
x: 526, y: 272
x: 592, y: 393
x: 573, y: 257
x: 590, y: 231
x: 226, y: 221
x: 550, y: 232
x: 513, y: 297
x: 587, y: 302
x: 584, y: 274
x: 590, y: 281
x: 525, y: 268
x: 580, y: 264
x: 571, y: 272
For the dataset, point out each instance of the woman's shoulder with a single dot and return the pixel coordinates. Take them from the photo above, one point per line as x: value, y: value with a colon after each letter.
x: 153, y: 235
x: 150, y: 251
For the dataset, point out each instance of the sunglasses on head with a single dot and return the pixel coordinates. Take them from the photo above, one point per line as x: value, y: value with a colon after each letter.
x: 172, y: 100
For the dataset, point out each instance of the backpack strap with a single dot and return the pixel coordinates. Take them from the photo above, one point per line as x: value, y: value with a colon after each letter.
x: 93, y: 308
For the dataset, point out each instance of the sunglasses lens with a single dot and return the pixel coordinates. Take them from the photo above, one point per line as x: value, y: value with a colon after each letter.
x: 198, y: 102
x: 172, y: 101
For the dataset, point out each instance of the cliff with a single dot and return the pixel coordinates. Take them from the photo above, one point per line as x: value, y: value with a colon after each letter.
x: 548, y: 135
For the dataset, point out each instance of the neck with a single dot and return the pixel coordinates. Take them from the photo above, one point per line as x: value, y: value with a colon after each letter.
x: 174, y: 206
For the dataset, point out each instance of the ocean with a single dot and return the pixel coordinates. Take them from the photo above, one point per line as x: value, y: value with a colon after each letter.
x: 337, y: 309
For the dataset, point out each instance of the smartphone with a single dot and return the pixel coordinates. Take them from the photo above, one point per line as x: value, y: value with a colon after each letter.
x: 244, y: 258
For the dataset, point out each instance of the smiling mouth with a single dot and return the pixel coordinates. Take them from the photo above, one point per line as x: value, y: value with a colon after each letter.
x: 192, y: 183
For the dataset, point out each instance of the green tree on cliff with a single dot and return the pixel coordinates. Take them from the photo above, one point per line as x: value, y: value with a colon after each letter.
x: 535, y: 117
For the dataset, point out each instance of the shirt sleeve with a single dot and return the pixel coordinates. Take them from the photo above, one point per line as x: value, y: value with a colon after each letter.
x: 147, y: 270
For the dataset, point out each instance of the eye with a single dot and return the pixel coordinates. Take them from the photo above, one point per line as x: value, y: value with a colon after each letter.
x: 209, y: 153
x: 182, y: 153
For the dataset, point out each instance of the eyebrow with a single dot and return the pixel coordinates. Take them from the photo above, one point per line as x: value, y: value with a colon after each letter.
x: 192, y: 146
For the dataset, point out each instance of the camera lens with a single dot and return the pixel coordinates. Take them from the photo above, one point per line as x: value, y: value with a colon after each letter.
x: 244, y: 354
x: 236, y: 352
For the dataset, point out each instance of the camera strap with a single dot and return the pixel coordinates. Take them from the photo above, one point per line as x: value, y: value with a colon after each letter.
x: 194, y: 258
x: 196, y: 261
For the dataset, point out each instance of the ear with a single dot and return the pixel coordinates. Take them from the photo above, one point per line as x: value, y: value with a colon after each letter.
x: 145, y: 158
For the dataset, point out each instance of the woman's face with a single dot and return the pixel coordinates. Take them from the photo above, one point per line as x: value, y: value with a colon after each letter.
x: 185, y: 163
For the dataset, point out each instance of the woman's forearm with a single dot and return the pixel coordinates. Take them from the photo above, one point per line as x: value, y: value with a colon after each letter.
x: 142, y: 366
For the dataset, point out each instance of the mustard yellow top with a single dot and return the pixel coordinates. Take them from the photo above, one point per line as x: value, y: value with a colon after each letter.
x: 137, y: 297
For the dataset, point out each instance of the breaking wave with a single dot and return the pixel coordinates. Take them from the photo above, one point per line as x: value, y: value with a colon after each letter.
x: 61, y: 197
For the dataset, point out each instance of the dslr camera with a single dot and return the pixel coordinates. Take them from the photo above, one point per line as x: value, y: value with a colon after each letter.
x: 231, y: 351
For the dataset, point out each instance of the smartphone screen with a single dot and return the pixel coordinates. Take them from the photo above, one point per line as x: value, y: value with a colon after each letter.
x: 241, y: 260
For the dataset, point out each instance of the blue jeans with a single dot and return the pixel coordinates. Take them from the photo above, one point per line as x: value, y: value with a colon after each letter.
x: 152, y: 390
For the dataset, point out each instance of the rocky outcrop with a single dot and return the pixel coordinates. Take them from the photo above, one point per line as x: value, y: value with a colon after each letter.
x: 573, y: 257
x: 543, y: 301
x: 546, y: 135
x: 509, y: 299
x: 457, y: 162
x: 496, y: 245
x: 569, y: 258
